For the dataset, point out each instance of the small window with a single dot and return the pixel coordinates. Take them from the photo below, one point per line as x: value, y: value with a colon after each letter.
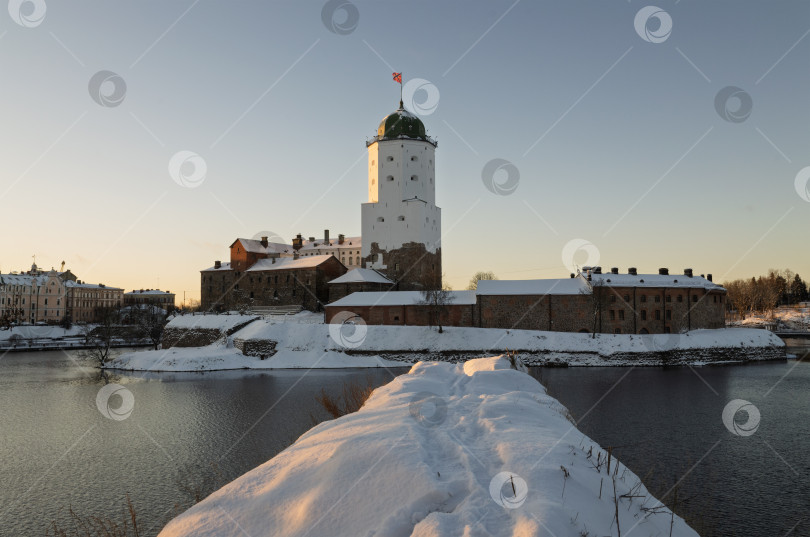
x: 657, y: 298
x: 613, y: 298
x: 380, y: 219
x: 414, y: 158
x: 643, y: 315
x: 390, y: 159
x: 669, y: 315
x: 396, y: 317
x: 644, y: 298
x: 627, y: 298
x: 666, y: 330
x: 617, y: 331
x: 390, y: 178
x: 680, y: 298
x: 373, y: 162
x: 414, y: 178
x: 657, y: 315
x: 694, y: 298
x: 621, y: 315
x: 669, y: 298
x: 612, y: 315
x: 401, y: 218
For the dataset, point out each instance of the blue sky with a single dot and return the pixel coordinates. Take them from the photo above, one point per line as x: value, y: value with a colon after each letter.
x: 617, y: 140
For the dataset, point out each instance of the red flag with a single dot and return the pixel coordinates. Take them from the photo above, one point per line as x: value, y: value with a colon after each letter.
x: 398, y: 77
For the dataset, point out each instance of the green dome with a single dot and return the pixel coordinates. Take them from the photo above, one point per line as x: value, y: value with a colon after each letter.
x: 402, y: 124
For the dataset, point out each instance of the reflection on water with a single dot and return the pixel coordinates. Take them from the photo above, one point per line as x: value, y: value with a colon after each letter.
x: 188, y: 434
x: 665, y: 421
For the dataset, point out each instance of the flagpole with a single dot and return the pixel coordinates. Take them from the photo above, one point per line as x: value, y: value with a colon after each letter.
x: 400, y: 90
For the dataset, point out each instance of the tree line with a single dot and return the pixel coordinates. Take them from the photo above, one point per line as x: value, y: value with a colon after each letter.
x: 765, y: 293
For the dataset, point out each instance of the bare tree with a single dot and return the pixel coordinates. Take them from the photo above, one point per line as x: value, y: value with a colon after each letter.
x: 150, y: 321
x: 436, y: 297
x: 99, y: 338
x: 478, y: 276
x: 598, y: 293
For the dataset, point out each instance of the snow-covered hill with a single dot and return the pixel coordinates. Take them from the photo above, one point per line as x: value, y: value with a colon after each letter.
x: 474, y: 449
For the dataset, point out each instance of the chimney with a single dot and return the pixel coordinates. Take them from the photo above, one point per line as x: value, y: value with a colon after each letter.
x: 297, y: 242
x: 709, y: 277
x: 614, y: 270
x: 663, y: 271
x: 264, y: 242
x: 326, y: 237
x: 217, y: 264
x: 573, y: 275
x: 632, y: 271
x: 312, y: 239
x: 597, y: 270
x: 341, y: 238
x: 273, y: 262
x: 687, y: 272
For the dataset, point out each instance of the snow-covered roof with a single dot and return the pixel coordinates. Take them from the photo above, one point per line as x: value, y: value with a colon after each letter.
x: 25, y: 279
x: 287, y: 263
x: 255, y: 246
x: 70, y: 283
x: 399, y: 298
x: 148, y: 292
x: 559, y: 286
x: 320, y: 244
x: 223, y: 266
x: 362, y: 275
x: 655, y: 280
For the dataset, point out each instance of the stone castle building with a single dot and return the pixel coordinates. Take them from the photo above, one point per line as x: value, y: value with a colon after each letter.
x: 400, y: 245
x: 610, y: 303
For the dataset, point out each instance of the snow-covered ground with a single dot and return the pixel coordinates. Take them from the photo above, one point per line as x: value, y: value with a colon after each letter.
x: 41, y: 331
x: 222, y: 356
x: 307, y: 344
x: 477, y: 449
x: 788, y: 318
x: 209, y: 322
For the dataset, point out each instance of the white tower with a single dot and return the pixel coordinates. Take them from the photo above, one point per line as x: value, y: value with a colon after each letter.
x: 401, y: 223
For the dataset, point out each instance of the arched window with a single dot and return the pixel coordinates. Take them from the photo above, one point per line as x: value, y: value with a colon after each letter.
x: 643, y: 331
x: 357, y: 261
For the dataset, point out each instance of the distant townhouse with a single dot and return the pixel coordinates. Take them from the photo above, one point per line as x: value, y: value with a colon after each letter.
x: 85, y: 301
x: 152, y: 297
x: 32, y: 297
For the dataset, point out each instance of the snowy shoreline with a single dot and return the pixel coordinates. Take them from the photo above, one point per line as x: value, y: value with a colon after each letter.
x: 268, y: 344
x: 447, y: 449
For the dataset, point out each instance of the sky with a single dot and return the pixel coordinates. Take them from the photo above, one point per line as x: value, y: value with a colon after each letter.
x: 141, y: 138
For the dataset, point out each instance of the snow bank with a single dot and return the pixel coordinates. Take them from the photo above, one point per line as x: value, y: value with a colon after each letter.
x: 220, y: 357
x: 475, y: 449
x: 222, y: 323
x: 41, y: 331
